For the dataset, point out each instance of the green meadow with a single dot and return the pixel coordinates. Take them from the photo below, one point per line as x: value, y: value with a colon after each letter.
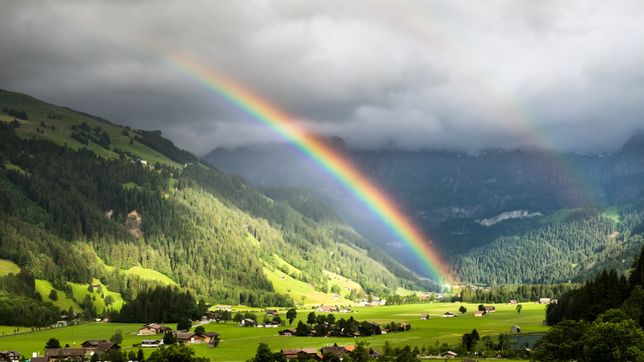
x: 239, y: 344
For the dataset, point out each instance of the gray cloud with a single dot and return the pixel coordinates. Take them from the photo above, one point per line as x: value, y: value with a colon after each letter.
x: 414, y: 74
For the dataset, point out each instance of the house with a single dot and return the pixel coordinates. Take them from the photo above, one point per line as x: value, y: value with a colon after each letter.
x: 345, y: 310
x: 424, y: 317
x: 59, y: 324
x: 151, y: 343
x: 479, y: 313
x: 449, y: 354
x: 490, y: 309
x: 209, y: 337
x: 67, y: 354
x: 247, y: 323
x: 515, y: 329
x: 327, y: 309
x: 336, y: 351
x: 272, y: 313
x: 287, y: 332
x: 38, y: 359
x: 513, y: 301
x: 448, y: 315
x: 93, y: 343
x: 271, y: 324
x: 544, y: 301
x: 308, y: 353
x: 189, y: 338
x: 152, y: 329
x: 9, y: 356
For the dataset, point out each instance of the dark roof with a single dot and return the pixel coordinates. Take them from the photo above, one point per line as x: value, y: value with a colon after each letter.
x: 185, y: 335
x: 106, y: 346
x: 67, y: 352
x: 211, y: 334
x: 93, y: 343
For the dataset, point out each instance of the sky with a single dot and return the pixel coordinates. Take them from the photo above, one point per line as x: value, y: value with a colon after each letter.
x: 458, y: 75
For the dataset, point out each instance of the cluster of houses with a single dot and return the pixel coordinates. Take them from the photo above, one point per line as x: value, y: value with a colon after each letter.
x: 325, y: 353
x: 84, y: 353
x: 184, y: 337
x: 9, y: 356
x: 333, y: 309
x: 333, y: 331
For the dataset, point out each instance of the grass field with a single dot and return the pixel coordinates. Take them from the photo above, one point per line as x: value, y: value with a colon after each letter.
x: 8, y: 267
x: 44, y: 287
x: 149, y: 274
x: 79, y: 292
x: 239, y: 344
x: 300, y: 291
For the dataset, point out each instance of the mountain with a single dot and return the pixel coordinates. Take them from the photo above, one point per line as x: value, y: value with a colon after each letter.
x: 89, y: 205
x: 500, y: 216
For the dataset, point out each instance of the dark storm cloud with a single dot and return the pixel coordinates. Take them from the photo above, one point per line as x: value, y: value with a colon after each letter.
x: 427, y: 74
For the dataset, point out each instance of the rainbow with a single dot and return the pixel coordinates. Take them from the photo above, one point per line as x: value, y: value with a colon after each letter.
x: 328, y: 159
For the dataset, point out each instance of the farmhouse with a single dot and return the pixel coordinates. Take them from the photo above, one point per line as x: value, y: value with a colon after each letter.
x: 449, y: 354
x: 327, y: 309
x: 513, y: 301
x: 479, y: 313
x: 272, y: 313
x: 247, y: 323
x: 152, y: 329
x: 74, y: 354
x: 336, y: 351
x: 448, y: 315
x: 151, y: 343
x: 490, y: 309
x: 197, y: 338
x: 288, y: 332
x: 308, y: 353
x: 345, y: 310
x: 9, y: 356
x: 544, y: 301
x: 515, y: 329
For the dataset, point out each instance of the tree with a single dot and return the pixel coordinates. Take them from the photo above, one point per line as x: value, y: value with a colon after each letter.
x: 264, y: 354
x: 175, y: 353
x: 140, y: 356
x: 117, y: 338
x: 310, y: 319
x: 360, y: 353
x: 562, y: 342
x: 200, y: 330
x: 519, y: 307
x: 614, y: 341
x: 238, y: 317
x: 108, y: 300
x: 168, y: 338
x: 462, y: 309
x: 52, y: 343
x: 53, y: 295
x: 481, y: 308
x: 291, y: 314
x: 184, y: 324
x: 302, y: 329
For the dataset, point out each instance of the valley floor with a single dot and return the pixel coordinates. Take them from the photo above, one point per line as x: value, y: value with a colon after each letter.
x: 239, y: 344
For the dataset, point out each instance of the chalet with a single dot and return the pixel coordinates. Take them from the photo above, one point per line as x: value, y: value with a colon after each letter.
x: 424, y: 317
x: 247, y: 323
x: 515, y: 329
x: 92, y: 344
x: 9, y: 356
x: 59, y: 324
x: 272, y: 313
x: 327, y: 309
x: 479, y: 313
x: 209, y: 337
x: 513, y: 301
x: 490, y: 309
x: 66, y: 354
x: 287, y: 332
x: 336, y: 351
x: 189, y: 338
x: 271, y: 324
x: 152, y: 329
x: 544, y: 301
x: 449, y: 315
x: 302, y: 353
x: 449, y: 354
x: 345, y: 310
x: 151, y: 343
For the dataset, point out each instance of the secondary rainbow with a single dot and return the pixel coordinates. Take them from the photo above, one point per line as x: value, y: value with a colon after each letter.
x: 331, y: 161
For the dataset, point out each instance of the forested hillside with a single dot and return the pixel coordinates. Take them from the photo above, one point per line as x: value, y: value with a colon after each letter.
x: 83, y: 198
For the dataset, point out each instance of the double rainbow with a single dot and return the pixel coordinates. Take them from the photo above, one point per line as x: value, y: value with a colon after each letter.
x: 328, y: 159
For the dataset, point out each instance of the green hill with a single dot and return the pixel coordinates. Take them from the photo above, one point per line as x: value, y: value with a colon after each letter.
x: 85, y: 200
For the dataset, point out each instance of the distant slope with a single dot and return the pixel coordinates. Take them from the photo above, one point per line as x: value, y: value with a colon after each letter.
x: 87, y: 200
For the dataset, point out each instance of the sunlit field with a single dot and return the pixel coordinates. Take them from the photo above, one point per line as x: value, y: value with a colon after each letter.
x: 239, y: 344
